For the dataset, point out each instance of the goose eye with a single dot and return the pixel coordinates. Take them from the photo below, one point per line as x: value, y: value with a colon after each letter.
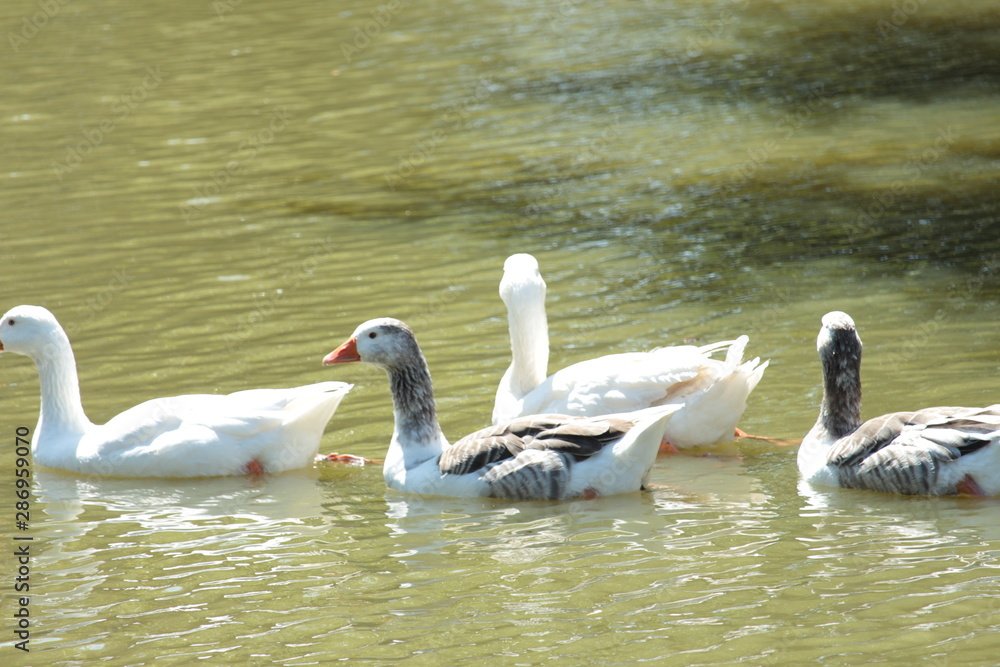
x: 11, y: 321
x: 372, y: 335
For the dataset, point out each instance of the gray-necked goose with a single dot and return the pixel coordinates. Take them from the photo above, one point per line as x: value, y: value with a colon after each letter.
x: 535, y: 457
x: 933, y: 451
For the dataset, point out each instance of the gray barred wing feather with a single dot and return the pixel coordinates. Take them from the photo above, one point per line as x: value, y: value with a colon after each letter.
x: 905, y: 452
x: 573, y: 436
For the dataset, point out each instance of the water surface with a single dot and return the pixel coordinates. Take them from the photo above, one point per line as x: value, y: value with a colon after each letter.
x: 211, y: 196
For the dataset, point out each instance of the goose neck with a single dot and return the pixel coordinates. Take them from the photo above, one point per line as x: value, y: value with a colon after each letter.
x: 417, y: 428
x: 61, y: 410
x: 840, y: 411
x: 529, y: 345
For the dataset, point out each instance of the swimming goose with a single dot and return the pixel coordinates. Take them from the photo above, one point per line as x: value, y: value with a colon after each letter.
x: 534, y: 457
x: 713, y: 393
x: 248, y: 432
x: 934, y: 451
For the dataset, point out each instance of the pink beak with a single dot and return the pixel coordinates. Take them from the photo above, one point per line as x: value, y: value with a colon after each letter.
x: 344, y: 354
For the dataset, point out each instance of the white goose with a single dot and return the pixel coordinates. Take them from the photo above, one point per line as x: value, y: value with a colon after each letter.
x: 248, y: 432
x: 712, y: 393
x: 934, y: 451
x: 535, y: 457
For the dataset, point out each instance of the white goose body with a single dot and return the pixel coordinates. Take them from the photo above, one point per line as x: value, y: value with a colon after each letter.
x: 712, y: 393
x: 932, y: 451
x: 257, y: 430
x: 534, y: 457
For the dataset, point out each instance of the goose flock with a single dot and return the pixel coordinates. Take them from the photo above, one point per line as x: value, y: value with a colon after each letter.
x: 591, y: 429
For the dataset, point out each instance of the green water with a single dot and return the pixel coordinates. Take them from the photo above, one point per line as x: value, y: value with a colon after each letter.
x: 212, y: 195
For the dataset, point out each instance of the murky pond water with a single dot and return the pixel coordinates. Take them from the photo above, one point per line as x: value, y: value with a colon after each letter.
x: 211, y: 196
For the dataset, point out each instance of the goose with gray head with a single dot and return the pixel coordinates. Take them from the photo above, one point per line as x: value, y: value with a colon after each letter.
x: 712, y: 393
x: 534, y: 457
x: 248, y: 432
x: 933, y: 451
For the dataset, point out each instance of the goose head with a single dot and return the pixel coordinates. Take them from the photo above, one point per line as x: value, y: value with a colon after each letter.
x: 522, y: 280
x: 384, y: 342
x: 839, y: 348
x: 838, y: 338
x: 29, y: 330
x: 390, y: 345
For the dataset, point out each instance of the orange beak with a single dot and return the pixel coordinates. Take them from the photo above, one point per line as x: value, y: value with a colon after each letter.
x: 344, y: 354
x: 1, y: 346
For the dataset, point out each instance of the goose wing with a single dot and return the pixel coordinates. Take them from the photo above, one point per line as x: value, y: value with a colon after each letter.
x: 206, y: 418
x: 624, y: 382
x: 904, y: 452
x: 577, y: 437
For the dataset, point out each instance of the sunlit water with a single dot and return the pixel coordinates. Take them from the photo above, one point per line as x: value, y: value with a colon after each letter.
x: 211, y: 196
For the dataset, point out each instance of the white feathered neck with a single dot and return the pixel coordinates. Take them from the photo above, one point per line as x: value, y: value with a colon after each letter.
x: 61, y: 410
x: 523, y: 292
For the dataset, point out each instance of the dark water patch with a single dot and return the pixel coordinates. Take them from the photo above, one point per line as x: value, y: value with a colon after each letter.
x: 782, y: 57
x: 848, y: 54
x: 800, y: 219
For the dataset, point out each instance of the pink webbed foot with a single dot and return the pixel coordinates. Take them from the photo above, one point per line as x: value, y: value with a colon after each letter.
x: 253, y: 469
x: 344, y: 458
x: 969, y: 487
x: 668, y: 448
x: 740, y: 433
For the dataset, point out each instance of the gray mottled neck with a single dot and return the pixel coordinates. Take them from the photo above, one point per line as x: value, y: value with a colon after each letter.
x: 840, y: 412
x: 413, y: 399
x: 61, y: 409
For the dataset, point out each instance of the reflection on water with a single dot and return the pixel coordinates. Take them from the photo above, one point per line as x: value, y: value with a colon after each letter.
x: 328, y: 560
x: 210, y: 196
x: 201, y: 537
